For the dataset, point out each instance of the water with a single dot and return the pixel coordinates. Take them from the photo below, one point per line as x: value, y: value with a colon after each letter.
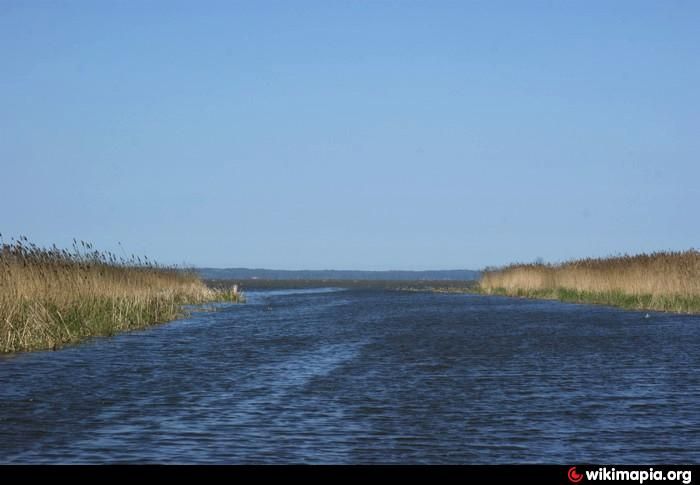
x: 365, y: 376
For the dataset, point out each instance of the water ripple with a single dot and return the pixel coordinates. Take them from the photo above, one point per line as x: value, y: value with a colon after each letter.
x: 361, y: 376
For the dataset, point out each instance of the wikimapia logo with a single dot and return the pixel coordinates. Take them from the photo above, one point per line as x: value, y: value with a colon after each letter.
x: 574, y: 476
x: 630, y: 475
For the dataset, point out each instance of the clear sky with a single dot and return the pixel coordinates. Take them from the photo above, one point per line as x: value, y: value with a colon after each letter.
x: 353, y: 134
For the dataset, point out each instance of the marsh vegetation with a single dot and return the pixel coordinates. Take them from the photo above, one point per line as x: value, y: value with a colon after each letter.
x: 50, y: 297
x: 665, y: 281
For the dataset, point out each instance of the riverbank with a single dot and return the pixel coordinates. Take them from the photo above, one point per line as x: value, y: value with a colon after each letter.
x: 53, y: 297
x: 662, y: 281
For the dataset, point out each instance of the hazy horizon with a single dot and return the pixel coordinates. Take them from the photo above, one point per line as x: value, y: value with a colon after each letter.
x: 360, y: 270
x: 343, y: 135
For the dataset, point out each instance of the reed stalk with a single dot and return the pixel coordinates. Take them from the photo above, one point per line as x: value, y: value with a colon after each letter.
x: 50, y: 297
x: 665, y: 281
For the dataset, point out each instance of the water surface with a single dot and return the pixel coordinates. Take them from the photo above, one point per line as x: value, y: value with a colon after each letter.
x: 365, y: 376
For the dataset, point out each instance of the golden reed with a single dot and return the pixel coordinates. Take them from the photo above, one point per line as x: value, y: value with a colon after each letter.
x: 51, y: 297
x: 667, y: 281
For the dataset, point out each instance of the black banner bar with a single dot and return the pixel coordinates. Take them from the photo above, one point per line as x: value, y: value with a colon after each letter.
x: 540, y: 474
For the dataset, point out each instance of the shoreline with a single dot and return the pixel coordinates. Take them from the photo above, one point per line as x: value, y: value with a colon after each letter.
x: 51, y: 297
x: 105, y: 317
x: 673, y: 304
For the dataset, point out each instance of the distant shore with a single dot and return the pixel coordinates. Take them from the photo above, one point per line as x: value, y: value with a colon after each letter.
x: 53, y: 297
x: 662, y: 281
x: 419, y: 285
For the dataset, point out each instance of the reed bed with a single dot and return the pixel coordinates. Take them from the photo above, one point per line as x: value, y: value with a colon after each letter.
x: 665, y: 281
x: 50, y: 297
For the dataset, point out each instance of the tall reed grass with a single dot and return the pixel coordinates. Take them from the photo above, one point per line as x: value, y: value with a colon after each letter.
x: 50, y: 297
x: 666, y: 281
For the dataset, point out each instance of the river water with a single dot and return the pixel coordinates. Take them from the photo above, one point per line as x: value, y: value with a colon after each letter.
x: 365, y: 376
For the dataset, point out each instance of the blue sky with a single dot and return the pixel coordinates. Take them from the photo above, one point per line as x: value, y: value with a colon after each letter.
x: 352, y: 135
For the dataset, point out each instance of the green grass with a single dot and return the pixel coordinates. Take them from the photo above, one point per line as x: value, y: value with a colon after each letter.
x: 664, y: 303
x: 60, y: 325
x: 38, y: 325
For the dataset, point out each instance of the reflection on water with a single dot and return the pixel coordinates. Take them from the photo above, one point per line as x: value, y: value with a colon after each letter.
x: 356, y: 376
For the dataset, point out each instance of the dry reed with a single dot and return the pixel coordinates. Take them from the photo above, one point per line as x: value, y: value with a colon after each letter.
x: 666, y: 281
x: 52, y: 297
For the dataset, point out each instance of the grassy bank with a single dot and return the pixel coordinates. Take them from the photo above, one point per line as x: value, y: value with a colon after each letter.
x: 664, y: 281
x: 52, y: 297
